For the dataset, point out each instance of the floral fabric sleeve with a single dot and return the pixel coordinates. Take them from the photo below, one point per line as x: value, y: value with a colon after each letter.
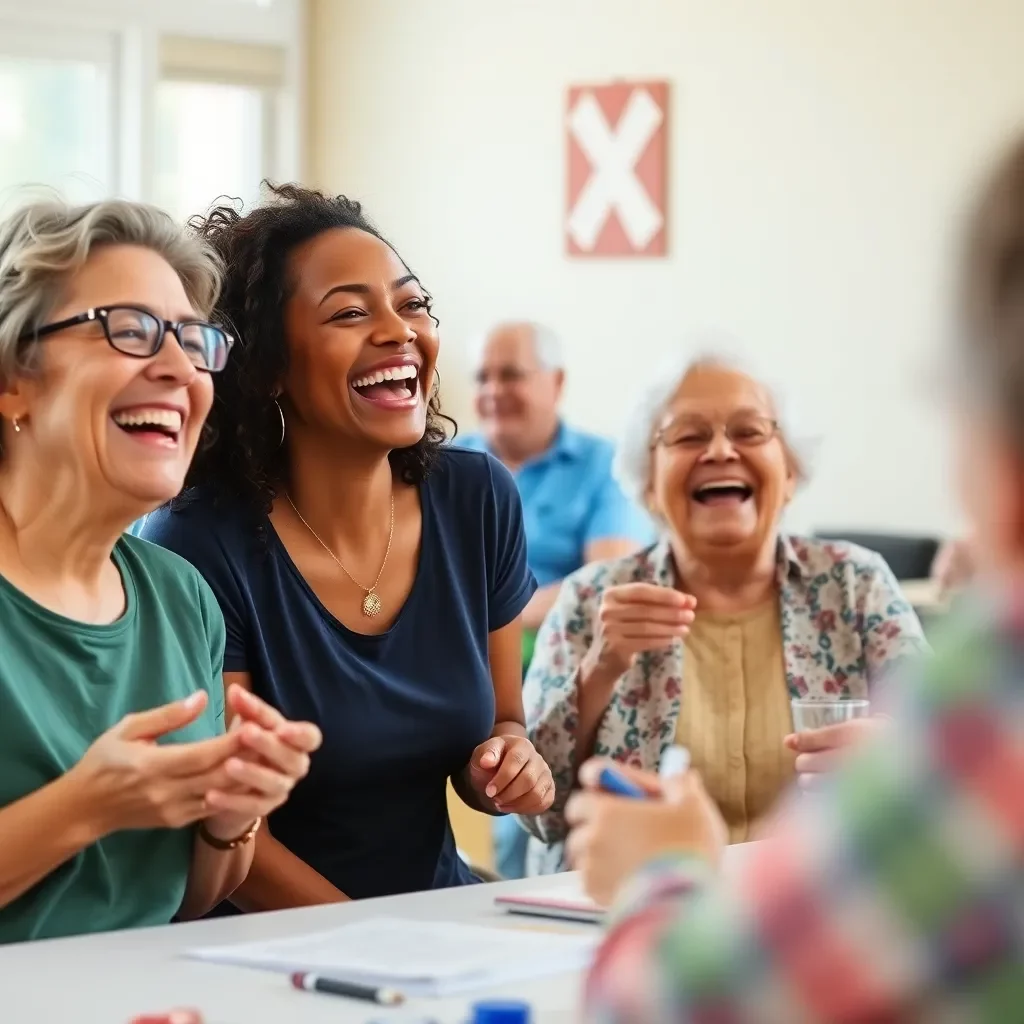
x: 550, y: 700
x: 891, y: 629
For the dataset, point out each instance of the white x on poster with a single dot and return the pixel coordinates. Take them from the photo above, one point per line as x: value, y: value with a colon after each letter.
x: 614, y: 185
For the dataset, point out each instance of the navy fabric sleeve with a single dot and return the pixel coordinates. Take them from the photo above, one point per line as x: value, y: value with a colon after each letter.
x: 511, y: 583
x: 185, y: 533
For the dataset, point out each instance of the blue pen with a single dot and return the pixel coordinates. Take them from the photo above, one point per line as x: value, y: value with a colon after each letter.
x: 676, y: 761
x: 612, y: 782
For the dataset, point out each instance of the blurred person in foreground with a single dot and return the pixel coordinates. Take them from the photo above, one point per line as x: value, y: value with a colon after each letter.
x: 898, y: 895
x: 574, y: 511
x: 123, y: 801
x: 704, y: 638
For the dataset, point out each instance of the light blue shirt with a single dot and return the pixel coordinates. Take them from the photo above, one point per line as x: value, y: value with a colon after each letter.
x: 570, y: 499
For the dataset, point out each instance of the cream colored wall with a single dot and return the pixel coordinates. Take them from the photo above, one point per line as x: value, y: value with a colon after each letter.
x: 820, y: 150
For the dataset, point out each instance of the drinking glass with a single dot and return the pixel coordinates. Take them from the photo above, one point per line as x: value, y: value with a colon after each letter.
x: 809, y: 713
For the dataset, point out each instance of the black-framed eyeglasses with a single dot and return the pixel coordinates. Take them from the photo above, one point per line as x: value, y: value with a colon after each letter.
x: 139, y: 333
x: 696, y: 434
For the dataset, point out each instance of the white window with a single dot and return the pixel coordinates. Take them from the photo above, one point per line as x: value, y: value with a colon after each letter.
x: 211, y: 141
x: 177, y: 102
x: 216, y: 113
x: 57, y: 125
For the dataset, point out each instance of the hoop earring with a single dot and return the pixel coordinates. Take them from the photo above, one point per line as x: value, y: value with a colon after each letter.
x: 280, y: 412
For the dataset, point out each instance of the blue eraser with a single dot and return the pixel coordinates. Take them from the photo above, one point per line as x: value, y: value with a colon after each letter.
x: 612, y: 782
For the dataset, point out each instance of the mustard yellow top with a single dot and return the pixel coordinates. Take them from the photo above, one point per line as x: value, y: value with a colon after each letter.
x: 735, y: 713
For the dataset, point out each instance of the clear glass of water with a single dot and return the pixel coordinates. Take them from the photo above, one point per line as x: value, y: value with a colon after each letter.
x: 809, y: 713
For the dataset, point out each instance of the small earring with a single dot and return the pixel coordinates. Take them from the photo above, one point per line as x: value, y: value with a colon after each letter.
x: 280, y: 412
x: 16, y: 425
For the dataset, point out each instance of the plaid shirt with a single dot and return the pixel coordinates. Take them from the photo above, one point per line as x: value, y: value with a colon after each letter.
x: 897, y: 894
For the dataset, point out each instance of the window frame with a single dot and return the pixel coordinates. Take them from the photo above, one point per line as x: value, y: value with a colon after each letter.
x: 267, y: 113
x: 133, y: 29
x: 61, y: 44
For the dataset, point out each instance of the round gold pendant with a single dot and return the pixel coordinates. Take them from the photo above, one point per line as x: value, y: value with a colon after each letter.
x: 371, y: 605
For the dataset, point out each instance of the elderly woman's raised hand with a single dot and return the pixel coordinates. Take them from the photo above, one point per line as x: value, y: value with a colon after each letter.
x: 632, y: 618
x: 129, y: 781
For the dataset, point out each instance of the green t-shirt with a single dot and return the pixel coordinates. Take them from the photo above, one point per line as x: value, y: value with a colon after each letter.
x: 62, y: 684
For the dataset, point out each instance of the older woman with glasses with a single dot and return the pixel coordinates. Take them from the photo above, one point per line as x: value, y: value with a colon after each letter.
x: 123, y: 801
x: 704, y: 638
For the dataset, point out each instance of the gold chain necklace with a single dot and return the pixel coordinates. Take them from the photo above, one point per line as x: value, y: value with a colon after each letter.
x: 371, y: 602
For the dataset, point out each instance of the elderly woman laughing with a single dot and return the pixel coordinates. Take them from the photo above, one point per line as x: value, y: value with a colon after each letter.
x: 705, y: 637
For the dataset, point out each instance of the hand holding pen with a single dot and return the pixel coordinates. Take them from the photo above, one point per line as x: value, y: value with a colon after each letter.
x: 615, y: 834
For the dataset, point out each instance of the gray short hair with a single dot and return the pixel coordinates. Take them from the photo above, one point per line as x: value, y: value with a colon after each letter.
x: 633, y: 453
x: 547, y: 346
x: 44, y: 242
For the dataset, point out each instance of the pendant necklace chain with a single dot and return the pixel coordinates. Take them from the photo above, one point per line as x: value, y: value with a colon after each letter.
x: 371, y: 602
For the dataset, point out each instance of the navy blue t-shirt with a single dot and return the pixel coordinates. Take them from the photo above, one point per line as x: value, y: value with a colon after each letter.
x: 400, y: 712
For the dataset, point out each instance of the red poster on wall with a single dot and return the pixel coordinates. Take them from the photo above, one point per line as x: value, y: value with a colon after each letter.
x: 617, y: 137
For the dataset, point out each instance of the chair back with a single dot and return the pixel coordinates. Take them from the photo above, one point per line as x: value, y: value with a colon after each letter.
x: 909, y: 557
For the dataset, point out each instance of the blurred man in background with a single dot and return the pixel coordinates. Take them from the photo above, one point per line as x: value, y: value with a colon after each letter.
x: 574, y: 510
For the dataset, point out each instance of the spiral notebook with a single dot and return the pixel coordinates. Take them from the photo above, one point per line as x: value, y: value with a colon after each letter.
x: 419, y: 958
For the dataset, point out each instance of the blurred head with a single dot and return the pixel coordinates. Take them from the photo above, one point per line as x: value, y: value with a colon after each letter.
x: 103, y: 348
x: 709, y: 455
x: 519, y: 379
x: 335, y: 333
x: 989, y: 367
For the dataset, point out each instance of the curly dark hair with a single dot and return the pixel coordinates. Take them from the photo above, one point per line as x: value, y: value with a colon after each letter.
x: 242, y: 455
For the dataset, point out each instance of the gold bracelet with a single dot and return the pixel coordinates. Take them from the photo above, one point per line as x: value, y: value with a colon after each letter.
x: 229, y: 844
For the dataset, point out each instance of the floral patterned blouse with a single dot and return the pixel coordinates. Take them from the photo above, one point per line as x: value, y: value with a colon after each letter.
x: 844, y: 625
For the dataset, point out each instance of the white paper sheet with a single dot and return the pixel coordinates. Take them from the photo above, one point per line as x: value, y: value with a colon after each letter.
x: 416, y: 957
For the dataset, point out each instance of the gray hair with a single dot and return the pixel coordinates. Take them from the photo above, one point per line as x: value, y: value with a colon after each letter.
x: 547, y: 346
x: 633, y: 454
x: 44, y: 242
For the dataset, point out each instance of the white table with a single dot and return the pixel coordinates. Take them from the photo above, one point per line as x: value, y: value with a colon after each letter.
x: 108, y: 979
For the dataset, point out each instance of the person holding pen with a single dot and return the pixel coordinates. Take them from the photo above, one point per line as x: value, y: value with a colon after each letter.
x: 123, y: 802
x: 705, y: 637
x: 895, y: 893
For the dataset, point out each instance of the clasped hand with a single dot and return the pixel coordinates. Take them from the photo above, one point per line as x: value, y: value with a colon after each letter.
x: 130, y: 781
x: 633, y: 618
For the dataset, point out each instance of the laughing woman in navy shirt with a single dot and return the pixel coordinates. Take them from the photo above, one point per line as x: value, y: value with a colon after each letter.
x: 371, y: 576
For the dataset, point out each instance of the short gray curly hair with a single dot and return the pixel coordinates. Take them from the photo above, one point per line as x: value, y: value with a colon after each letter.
x: 633, y: 453
x: 547, y: 346
x: 45, y: 241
